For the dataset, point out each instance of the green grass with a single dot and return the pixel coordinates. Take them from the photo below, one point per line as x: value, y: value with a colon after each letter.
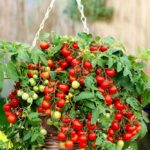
x: 3, y: 119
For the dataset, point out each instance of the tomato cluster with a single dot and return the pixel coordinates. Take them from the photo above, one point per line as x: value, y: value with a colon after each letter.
x: 49, y: 96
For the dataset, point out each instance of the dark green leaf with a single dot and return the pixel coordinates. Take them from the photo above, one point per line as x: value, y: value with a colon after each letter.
x: 99, y: 95
x: 119, y: 67
x: 90, y: 105
x: 43, y: 59
x: 33, y: 115
x: 34, y: 137
x: 27, y: 136
x: 95, y: 115
x: 83, y: 96
x: 143, y: 129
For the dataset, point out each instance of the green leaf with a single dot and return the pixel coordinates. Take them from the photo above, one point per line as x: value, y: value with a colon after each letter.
x: 23, y: 55
x: 95, y: 115
x: 90, y: 105
x: 83, y: 96
x: 99, y: 95
x: 43, y: 59
x: 110, y: 62
x: 1, y: 76
x: 119, y: 67
x: 12, y: 71
x: 143, y: 129
x: 27, y: 136
x: 53, y: 74
x: 34, y: 137
x: 44, y: 36
x: 126, y: 71
x: 72, y: 112
x: 133, y: 102
x: 33, y: 115
x: 89, y: 82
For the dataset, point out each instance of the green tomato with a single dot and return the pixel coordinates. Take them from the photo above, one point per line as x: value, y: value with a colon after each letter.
x: 104, y: 135
x: 43, y: 131
x: 32, y: 82
x: 75, y: 84
x: 46, y: 82
x: 36, y: 88
x: 120, y: 144
x: 35, y: 76
x: 19, y: 92
x: 41, y: 88
x: 49, y: 121
x: 35, y: 96
x: 25, y: 96
x: 30, y: 100
x: 107, y: 115
x: 56, y: 115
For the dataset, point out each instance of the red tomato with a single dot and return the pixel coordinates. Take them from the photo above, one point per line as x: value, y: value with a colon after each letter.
x: 48, y: 112
x: 59, y: 69
x: 77, y: 125
x: 111, y: 139
x: 138, y: 129
x: 47, y: 97
x: 60, y: 95
x: 61, y: 103
x: 119, y: 105
x: 52, y: 83
x: 101, y: 90
x: 94, y: 48
x: 89, y: 116
x: 87, y: 65
x: 115, y: 125
x: 7, y: 107
x: 72, y: 78
x: 30, y: 74
x: 69, y: 59
x: 72, y: 72
x: 64, y: 64
x: 64, y: 128
x: 69, y: 144
x: 98, y: 71
x: 75, y: 62
x: 82, y: 145
x: 14, y: 102
x: 108, y: 99
x: 65, y: 51
x: 45, y: 105
x: 127, y: 136
x: 31, y: 66
x: 81, y: 132
x: 74, y: 138
x: 103, y: 48
x: 66, y: 119
x: 113, y: 90
x: 82, y: 139
x: 11, y: 95
x: 111, y: 132
x: 75, y: 46
x: 99, y: 79
x: 130, y: 128
x: 86, y: 72
x: 92, y: 136
x: 50, y: 63
x: 81, y: 80
x: 63, y: 87
x: 44, y: 45
x: 8, y: 113
x: 12, y: 118
x: 40, y: 109
x: 110, y: 72
x: 91, y: 126
x: 61, y: 136
x: 118, y: 116
x: 105, y: 84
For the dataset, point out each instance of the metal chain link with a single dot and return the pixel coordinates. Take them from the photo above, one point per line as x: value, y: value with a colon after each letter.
x: 42, y: 24
x: 83, y: 18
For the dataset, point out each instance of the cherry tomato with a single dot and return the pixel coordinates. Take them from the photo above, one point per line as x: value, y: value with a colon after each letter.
x: 113, y: 90
x: 111, y: 132
x: 60, y: 95
x: 69, y: 144
x: 31, y: 66
x: 69, y: 59
x: 111, y: 139
x: 61, y: 136
x: 83, y: 139
x: 12, y: 118
x: 14, y: 102
x: 91, y: 126
x: 77, y: 125
x: 40, y: 109
x: 45, y: 75
x: 7, y: 107
x: 75, y: 62
x: 99, y: 79
x: 127, y: 136
x: 61, y: 103
x: 64, y: 128
x: 45, y: 105
x: 92, y: 136
x: 64, y: 64
x: 63, y: 87
x: 94, y: 48
x: 74, y: 138
x: 108, y: 99
x: 98, y: 71
x: 47, y: 97
x: 119, y: 105
x: 105, y: 84
x: 101, y: 90
x: 72, y: 72
x: 44, y: 45
x: 50, y: 63
x: 118, y: 116
x: 75, y: 45
x: 115, y: 125
x: 103, y: 48
x: 81, y: 80
x: 110, y: 72
x: 87, y: 65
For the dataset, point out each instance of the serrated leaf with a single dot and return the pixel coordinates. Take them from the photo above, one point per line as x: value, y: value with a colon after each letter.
x: 83, y: 96
x: 89, y: 82
x: 23, y: 55
x: 99, y: 95
x: 34, y: 137
x: 126, y: 71
x: 95, y: 115
x: 12, y: 71
x: 119, y: 67
x: 33, y: 115
x: 43, y: 60
x: 27, y: 136
x: 90, y: 105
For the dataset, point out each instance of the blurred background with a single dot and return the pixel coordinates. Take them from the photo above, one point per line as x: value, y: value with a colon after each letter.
x: 126, y: 20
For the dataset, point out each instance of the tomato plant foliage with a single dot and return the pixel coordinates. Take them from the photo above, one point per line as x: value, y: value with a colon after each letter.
x: 79, y: 84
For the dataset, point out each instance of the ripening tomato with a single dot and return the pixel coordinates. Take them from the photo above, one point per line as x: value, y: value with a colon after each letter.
x: 113, y: 90
x: 75, y: 45
x: 110, y: 72
x: 120, y: 144
x: 7, y: 107
x: 111, y: 132
x: 14, y: 102
x: 45, y: 75
x: 61, y: 103
x: 127, y: 136
x: 47, y: 112
x: 69, y: 59
x: 30, y: 74
x: 59, y: 69
x: 103, y: 48
x: 102, y: 91
x: 115, y: 125
x: 12, y: 118
x: 8, y: 113
x: 77, y: 125
x: 45, y: 105
x: 99, y: 79
x: 31, y: 66
x: 44, y: 45
x: 118, y: 116
x: 92, y: 136
x: 118, y: 105
x: 61, y: 136
x: 50, y: 63
x: 60, y: 95
x: 64, y: 64
x: 87, y: 65
x: 72, y: 78
x: 48, y: 90
x: 110, y: 139
x: 63, y: 87
x: 108, y: 99
x: 69, y: 144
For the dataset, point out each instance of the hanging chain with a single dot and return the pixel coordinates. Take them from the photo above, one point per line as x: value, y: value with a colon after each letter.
x: 83, y: 18
x: 42, y: 24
